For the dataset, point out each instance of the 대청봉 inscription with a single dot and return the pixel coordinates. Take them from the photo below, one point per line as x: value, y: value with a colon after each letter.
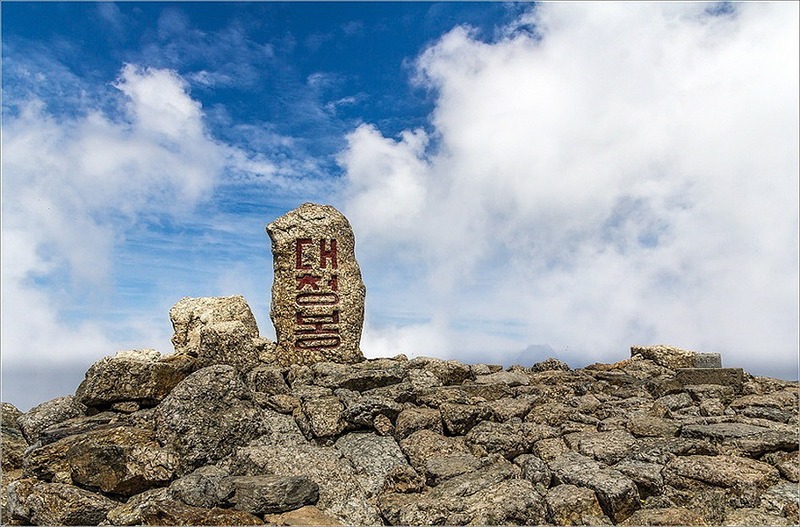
x: 317, y: 293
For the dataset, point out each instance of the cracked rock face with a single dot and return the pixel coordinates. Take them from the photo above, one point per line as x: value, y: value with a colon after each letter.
x: 317, y: 292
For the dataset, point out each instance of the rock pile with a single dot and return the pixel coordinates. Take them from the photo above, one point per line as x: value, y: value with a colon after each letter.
x: 221, y: 433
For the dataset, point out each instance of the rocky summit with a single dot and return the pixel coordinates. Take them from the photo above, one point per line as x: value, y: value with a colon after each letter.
x: 220, y: 432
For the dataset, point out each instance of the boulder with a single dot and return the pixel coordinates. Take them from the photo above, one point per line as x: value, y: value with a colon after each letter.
x: 571, y: 505
x: 190, y: 315
x: 157, y: 507
x: 550, y: 364
x: 206, y: 416
x: 358, y: 377
x: 666, y: 516
x: 135, y: 375
x: 534, y: 470
x: 459, y: 419
x: 41, y: 503
x: 230, y: 342
x: 738, y: 473
x: 47, y: 414
x: 373, y: 457
x: 617, y: 494
x: 271, y: 494
x: 508, y: 439
x: 284, y: 452
x: 13, y: 442
x: 425, y: 444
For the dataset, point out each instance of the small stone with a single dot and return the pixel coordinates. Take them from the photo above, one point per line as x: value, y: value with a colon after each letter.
x: 317, y: 291
x: 459, y: 419
x: 534, y: 470
x: 550, y: 364
x: 383, y: 425
x: 403, y: 479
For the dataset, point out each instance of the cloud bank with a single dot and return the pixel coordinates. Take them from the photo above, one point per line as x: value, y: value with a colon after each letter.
x: 597, y: 176
x: 71, y: 187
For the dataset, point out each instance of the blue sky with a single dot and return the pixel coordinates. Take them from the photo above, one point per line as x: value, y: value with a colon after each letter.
x: 524, y: 180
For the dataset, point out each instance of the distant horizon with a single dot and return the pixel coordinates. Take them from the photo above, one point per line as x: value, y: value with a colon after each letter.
x: 522, y: 178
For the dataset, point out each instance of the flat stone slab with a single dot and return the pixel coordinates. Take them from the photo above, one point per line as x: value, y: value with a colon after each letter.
x: 317, y: 293
x: 708, y: 360
x: 733, y: 377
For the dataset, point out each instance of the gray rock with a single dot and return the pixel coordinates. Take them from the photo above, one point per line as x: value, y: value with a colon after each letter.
x: 441, y: 468
x: 13, y: 442
x: 35, y: 420
x: 9, y: 415
x: 617, y: 494
x: 748, y: 517
x: 190, y: 315
x: 137, y: 377
x: 571, y: 505
x: 459, y: 419
x: 359, y: 377
x: 362, y: 410
x: 340, y: 493
x: 206, y: 416
x: 666, y: 356
x: 423, y: 445
x: 720, y: 471
x: 534, y: 470
x: 324, y: 415
x: 647, y: 476
x: 509, y: 408
x: 272, y: 494
x: 230, y: 342
x: 267, y: 379
x: 412, y: 419
x: 157, y: 507
x: 403, y: 479
x: 43, y: 503
x: 550, y: 364
x: 648, y: 426
x: 665, y: 516
x: 782, y: 499
x: 81, y: 425
x: 608, y: 447
x: 510, y: 378
x: 373, y: 457
x: 508, y: 439
x: 205, y: 487
x: 732, y: 377
x: 490, y: 496
x: 448, y: 372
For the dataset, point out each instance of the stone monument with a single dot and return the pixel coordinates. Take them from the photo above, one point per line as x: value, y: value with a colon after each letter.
x: 317, y: 292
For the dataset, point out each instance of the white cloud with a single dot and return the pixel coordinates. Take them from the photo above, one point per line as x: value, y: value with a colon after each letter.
x: 626, y: 175
x: 71, y: 185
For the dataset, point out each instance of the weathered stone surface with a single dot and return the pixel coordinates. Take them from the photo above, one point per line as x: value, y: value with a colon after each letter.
x: 284, y: 452
x: 608, y: 447
x: 403, y: 479
x: 13, y: 442
x: 749, y: 517
x: 81, y: 425
x: 617, y: 494
x: 508, y: 439
x: 550, y: 364
x: 360, y: 377
x: 534, y: 470
x: 129, y: 376
x: 373, y: 457
x: 707, y: 360
x: 732, y: 377
x: 206, y: 416
x: 205, y: 487
x: 647, y: 476
x: 122, y: 461
x: 571, y: 505
x: 267, y: 379
x: 510, y: 378
x: 782, y: 499
x: 43, y: 503
x: 666, y: 356
x: 190, y: 315
x: 324, y: 415
x: 648, y: 426
x: 47, y: 414
x: 308, y: 515
x: 272, y: 494
x: 459, y: 419
x: 447, y: 372
x: 490, y: 496
x: 317, y: 291
x: 720, y: 471
x: 425, y: 444
x: 665, y: 516
x: 157, y: 507
x: 230, y: 342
